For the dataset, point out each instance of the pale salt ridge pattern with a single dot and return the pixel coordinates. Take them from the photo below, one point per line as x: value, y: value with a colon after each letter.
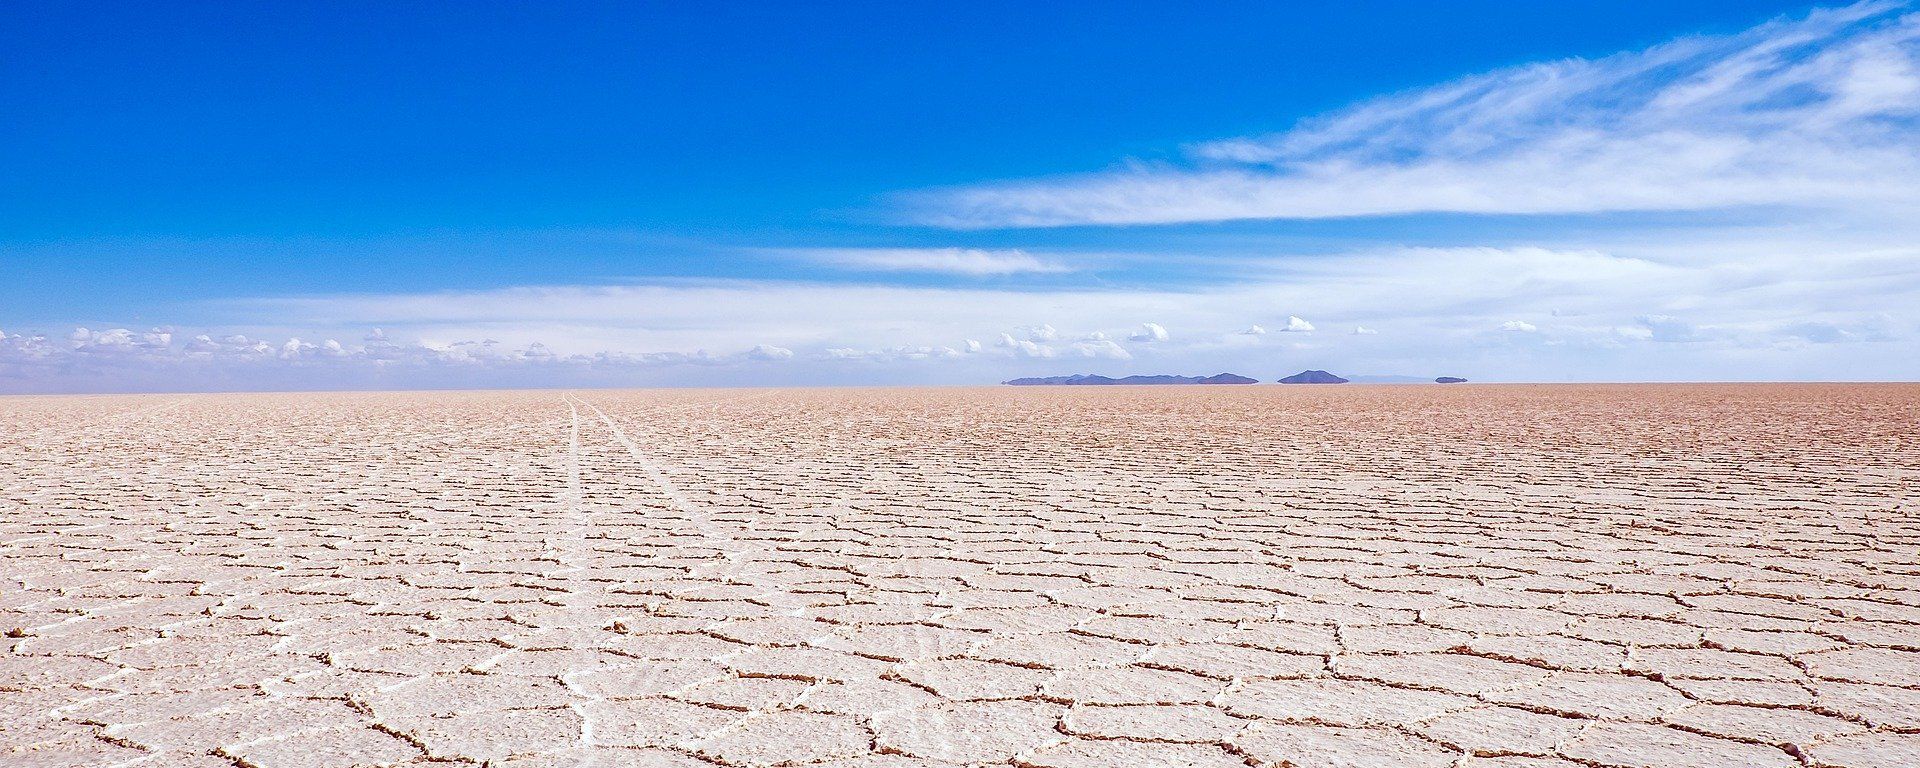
x: 1464, y: 576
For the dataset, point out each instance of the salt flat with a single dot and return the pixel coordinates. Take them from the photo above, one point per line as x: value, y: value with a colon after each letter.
x: 1513, y: 576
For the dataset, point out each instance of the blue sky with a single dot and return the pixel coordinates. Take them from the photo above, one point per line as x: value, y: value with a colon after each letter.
x: 308, y: 195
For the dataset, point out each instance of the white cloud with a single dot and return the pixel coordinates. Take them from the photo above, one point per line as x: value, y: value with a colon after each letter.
x: 1254, y: 330
x: 1822, y: 110
x: 1102, y: 348
x: 1668, y: 328
x: 953, y: 261
x: 1813, y: 122
x: 122, y: 360
x: 895, y: 354
x: 1025, y: 347
x: 1150, y: 332
x: 1877, y: 328
x: 1767, y: 303
x: 84, y: 340
x: 1296, y: 324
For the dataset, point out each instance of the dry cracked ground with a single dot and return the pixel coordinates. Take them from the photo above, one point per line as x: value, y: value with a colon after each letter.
x: 1486, y: 576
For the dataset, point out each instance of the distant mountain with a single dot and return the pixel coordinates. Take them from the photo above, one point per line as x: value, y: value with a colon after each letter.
x: 1091, y: 380
x: 1313, y: 377
x: 1449, y: 380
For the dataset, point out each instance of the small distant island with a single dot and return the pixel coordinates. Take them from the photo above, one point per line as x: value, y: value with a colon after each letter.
x: 1449, y: 380
x: 1313, y: 377
x: 1092, y: 380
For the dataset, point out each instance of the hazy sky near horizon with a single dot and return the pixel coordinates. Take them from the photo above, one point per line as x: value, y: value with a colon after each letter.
x: 478, y: 195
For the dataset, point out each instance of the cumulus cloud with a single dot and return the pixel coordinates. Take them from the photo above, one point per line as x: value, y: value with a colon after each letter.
x: 1150, y: 332
x: 1821, y: 110
x: 1025, y: 347
x: 1767, y: 303
x: 1811, y: 122
x: 1102, y: 348
x: 90, y: 341
x: 120, y: 359
x: 953, y: 261
x: 770, y: 352
x: 1879, y: 328
x: 1666, y: 328
x: 902, y: 352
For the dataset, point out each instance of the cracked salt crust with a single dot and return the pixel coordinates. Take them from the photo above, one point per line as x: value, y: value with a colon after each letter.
x: 1478, y: 576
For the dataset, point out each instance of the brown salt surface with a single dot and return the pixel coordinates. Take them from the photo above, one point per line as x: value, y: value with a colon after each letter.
x: 1476, y: 575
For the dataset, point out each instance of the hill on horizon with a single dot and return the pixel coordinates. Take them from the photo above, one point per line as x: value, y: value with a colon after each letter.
x: 1313, y: 377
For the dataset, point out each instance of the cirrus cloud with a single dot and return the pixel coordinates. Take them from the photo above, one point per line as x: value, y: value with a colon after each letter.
x: 973, y: 262
x: 1769, y: 304
x: 1821, y: 110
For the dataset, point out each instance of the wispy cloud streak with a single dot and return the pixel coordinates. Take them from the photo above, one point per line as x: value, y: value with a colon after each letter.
x: 974, y: 262
x: 1766, y: 306
x: 1821, y: 110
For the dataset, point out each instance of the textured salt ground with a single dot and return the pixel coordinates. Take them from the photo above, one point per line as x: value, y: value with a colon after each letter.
x: 1522, y: 577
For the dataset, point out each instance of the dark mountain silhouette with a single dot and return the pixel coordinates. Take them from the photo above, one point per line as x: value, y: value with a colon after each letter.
x: 1086, y: 380
x: 1449, y: 380
x: 1313, y: 377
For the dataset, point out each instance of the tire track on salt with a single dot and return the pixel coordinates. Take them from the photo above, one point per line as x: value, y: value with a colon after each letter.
x: 736, y: 554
